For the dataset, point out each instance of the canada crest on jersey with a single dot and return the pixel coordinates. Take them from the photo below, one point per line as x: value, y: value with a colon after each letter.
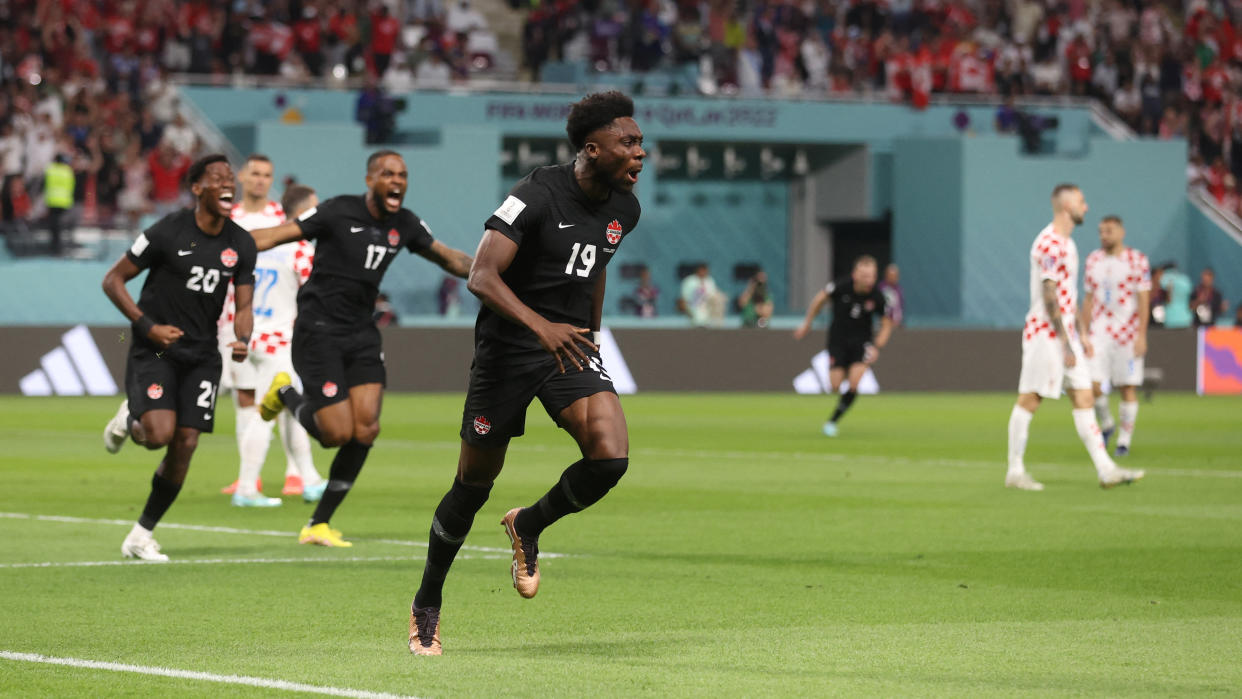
x: 482, y: 425
x: 155, y: 391
x: 394, y: 238
x: 613, y: 233
x: 228, y: 257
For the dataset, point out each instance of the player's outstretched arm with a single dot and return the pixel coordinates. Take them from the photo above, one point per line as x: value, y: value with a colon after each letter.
x: 495, y: 254
x: 243, y: 320
x: 886, y: 331
x: 816, y: 304
x: 451, y: 260
x: 114, y: 288
x: 268, y: 238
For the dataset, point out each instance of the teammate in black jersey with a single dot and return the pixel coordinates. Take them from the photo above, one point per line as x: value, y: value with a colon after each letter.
x: 336, y: 346
x: 856, y: 303
x: 540, y: 272
x: 174, y: 367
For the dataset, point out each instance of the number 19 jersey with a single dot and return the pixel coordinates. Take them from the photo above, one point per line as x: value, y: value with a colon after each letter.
x: 565, y: 241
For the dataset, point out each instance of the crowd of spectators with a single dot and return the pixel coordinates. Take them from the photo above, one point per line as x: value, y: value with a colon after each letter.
x: 86, y: 82
x: 1167, y: 68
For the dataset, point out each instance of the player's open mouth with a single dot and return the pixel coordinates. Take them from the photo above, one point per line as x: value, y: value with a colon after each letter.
x: 632, y: 175
x: 226, y: 199
x: 393, y: 199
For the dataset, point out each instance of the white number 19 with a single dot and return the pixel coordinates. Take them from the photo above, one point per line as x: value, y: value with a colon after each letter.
x: 588, y: 260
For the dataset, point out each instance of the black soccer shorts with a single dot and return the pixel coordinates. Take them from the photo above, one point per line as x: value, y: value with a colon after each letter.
x: 847, y: 352
x: 174, y: 381
x: 332, y: 360
x: 498, y: 396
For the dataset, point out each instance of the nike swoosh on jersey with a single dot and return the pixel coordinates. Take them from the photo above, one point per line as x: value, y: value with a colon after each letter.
x: 183, y: 253
x: 566, y: 225
x: 357, y: 229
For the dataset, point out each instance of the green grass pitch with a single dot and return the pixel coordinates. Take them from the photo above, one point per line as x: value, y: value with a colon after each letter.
x: 743, y: 555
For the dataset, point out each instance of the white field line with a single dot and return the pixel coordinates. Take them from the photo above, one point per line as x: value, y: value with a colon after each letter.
x: 261, y: 682
x: 226, y: 561
x: 250, y: 532
x: 774, y: 455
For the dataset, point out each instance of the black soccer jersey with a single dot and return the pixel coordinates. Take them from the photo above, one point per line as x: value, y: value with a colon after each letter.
x: 565, y: 240
x: 853, y: 314
x: 188, y: 275
x: 353, y: 251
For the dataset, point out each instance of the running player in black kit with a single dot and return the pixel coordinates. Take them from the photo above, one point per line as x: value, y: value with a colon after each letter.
x: 540, y: 273
x: 336, y: 346
x: 174, y: 367
x: 856, y: 303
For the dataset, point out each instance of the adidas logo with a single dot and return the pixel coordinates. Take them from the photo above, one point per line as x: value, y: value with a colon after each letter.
x: 73, y: 369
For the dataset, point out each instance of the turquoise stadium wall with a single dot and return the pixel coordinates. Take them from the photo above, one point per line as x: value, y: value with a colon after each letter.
x: 965, y: 204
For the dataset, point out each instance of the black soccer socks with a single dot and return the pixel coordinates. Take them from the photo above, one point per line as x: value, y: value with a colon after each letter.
x: 163, y: 493
x: 583, y: 484
x: 847, y: 399
x: 346, y: 466
x: 452, y: 521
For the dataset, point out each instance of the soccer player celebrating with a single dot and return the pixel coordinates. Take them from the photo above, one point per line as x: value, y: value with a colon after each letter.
x: 856, y: 303
x: 173, y: 369
x: 1055, y: 347
x: 1118, y: 286
x: 336, y: 346
x: 540, y: 273
x: 279, y: 273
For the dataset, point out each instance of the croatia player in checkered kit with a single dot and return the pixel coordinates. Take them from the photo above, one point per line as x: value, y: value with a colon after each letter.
x: 279, y: 273
x: 1055, y: 348
x: 253, y: 212
x: 1117, y: 282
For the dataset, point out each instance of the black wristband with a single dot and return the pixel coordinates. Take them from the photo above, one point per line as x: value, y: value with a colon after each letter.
x: 245, y: 340
x: 142, y: 326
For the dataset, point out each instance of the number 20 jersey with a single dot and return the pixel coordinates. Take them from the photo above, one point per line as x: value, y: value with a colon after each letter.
x: 188, y: 276
x: 565, y: 241
x: 352, y: 252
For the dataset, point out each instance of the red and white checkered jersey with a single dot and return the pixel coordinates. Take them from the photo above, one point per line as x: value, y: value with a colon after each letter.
x: 270, y: 215
x: 278, y: 274
x: 1052, y: 257
x: 1114, y: 282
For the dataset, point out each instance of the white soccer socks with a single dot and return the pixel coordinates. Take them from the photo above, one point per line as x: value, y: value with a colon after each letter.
x: 1089, y: 433
x: 1127, y: 414
x: 1019, y: 429
x: 245, y: 417
x: 1102, y: 414
x: 253, y: 446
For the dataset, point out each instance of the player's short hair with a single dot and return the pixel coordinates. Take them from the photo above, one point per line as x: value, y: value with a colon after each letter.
x: 1062, y: 188
x: 257, y: 157
x: 864, y: 260
x: 375, y: 157
x: 596, y: 111
x: 294, y: 197
x: 1112, y: 218
x: 199, y: 168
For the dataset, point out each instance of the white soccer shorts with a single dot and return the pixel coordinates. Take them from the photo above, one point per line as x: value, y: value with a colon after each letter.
x: 1116, y: 363
x: 236, y: 375
x: 1044, y: 371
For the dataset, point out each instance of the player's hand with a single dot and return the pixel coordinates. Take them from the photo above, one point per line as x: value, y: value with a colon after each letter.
x: 1088, y: 349
x: 164, y: 335
x: 1068, y: 351
x: 801, y: 331
x: 240, y: 350
x: 870, y: 354
x: 1140, y: 346
x: 565, y: 342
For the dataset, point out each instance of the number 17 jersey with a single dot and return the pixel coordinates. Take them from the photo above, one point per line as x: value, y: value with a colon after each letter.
x: 352, y: 253
x: 565, y: 241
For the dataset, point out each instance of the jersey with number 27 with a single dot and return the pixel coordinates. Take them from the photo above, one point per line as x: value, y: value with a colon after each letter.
x: 352, y: 253
x: 188, y: 275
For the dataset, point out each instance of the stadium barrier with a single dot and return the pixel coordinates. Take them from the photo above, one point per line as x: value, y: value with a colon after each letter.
x: 91, y: 361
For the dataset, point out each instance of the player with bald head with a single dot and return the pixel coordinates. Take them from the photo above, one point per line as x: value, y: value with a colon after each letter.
x: 1056, y: 347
